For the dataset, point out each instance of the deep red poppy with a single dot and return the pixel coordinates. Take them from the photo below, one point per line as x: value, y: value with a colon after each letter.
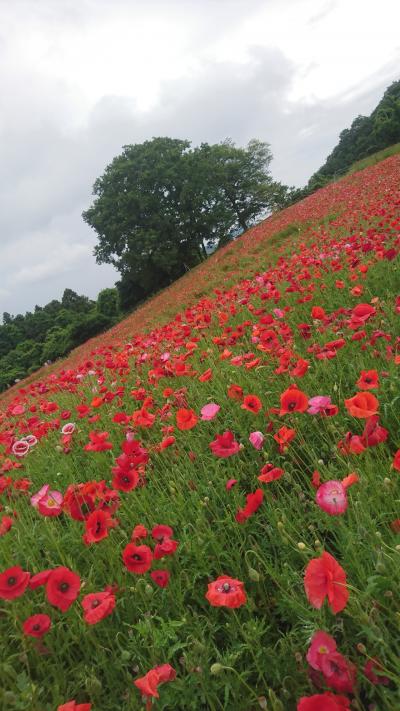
x: 97, y: 606
x: 125, y: 480
x: 160, y: 577
x: 97, y: 526
x: 137, y: 558
x: 62, y: 588
x: 323, y: 702
x: 252, y: 403
x: 73, y: 706
x: 224, y: 445
x: 36, y: 625
x: 13, y: 583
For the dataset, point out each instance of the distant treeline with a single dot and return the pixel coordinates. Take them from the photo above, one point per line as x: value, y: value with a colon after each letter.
x: 49, y: 332
x: 367, y: 135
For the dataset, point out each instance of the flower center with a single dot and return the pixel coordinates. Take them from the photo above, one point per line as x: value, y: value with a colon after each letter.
x: 36, y: 627
x: 11, y: 581
x: 64, y: 587
x: 226, y: 587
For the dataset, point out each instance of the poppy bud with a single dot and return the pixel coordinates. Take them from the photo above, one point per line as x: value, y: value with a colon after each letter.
x: 361, y: 648
x: 216, y: 668
x: 254, y: 575
x: 301, y: 546
x: 149, y: 590
x: 125, y: 655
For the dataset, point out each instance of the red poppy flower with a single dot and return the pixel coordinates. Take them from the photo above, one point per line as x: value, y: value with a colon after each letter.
x: 323, y: 702
x: 148, y: 683
x: 324, y: 577
x: 270, y: 473
x: 368, y: 380
x: 235, y: 392
x: 160, y: 577
x: 226, y: 592
x: 161, y: 531
x: 293, y: 400
x: 143, y: 418
x: 13, y: 583
x: 166, y: 547
x: 125, y: 480
x: 339, y: 673
x: 370, y: 668
x: 97, y: 525
x: 224, y: 445
x: 5, y: 525
x: 396, y: 461
x: 36, y: 625
x: 318, y: 313
x: 284, y: 436
x: 253, y: 503
x: 186, y: 419
x: 73, y: 706
x: 252, y: 403
x: 62, y: 588
x: 362, y: 405
x: 139, y: 531
x: 97, y: 606
x: 98, y: 442
x: 137, y: 558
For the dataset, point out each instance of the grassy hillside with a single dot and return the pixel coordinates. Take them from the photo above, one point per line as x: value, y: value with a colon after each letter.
x: 251, y: 410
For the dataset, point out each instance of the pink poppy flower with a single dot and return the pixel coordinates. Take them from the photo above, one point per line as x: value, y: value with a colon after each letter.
x: 48, y: 503
x: 68, y: 429
x: 230, y: 483
x: 208, y: 412
x: 20, y: 448
x: 256, y: 439
x: 225, y: 445
x: 331, y: 497
x: 321, y: 643
x: 321, y: 405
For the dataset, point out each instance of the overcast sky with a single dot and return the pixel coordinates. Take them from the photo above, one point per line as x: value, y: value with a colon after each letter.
x: 81, y: 78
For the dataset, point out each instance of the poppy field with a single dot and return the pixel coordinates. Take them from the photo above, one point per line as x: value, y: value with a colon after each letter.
x: 200, y: 508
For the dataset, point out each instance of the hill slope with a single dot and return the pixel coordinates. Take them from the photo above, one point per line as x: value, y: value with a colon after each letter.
x: 260, y: 427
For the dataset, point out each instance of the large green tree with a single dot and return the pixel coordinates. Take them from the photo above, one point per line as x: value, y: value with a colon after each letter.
x: 159, y: 204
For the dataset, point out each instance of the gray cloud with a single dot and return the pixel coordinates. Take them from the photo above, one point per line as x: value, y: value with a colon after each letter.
x: 52, y: 150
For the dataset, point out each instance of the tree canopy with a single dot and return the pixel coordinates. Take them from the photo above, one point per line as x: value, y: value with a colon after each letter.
x: 161, y: 203
x: 366, y: 135
x: 51, y: 331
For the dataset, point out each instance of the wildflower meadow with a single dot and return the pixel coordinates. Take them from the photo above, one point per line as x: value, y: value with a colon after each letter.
x: 200, y: 508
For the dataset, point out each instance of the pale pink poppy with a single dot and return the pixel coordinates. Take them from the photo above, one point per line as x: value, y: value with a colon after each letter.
x: 256, y: 439
x: 331, y: 497
x: 47, y: 502
x: 20, y: 448
x: 318, y: 404
x: 69, y: 428
x: 208, y: 412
